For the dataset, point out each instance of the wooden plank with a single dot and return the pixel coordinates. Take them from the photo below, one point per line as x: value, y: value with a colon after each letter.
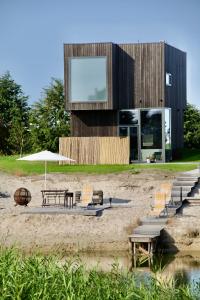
x: 96, y: 150
x: 176, y: 95
x: 143, y: 251
x: 89, y: 50
x: 136, y: 75
x: 141, y: 75
x: 89, y: 123
x: 142, y: 239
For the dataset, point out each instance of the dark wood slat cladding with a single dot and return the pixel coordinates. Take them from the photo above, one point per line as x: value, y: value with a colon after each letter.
x: 141, y: 75
x: 175, y: 95
x: 135, y: 79
x: 90, y: 123
x: 91, y: 49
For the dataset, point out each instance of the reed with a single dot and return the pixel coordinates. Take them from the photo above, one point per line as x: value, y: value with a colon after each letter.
x: 40, y: 277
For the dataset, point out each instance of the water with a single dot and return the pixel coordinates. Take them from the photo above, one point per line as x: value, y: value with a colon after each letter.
x: 183, y: 267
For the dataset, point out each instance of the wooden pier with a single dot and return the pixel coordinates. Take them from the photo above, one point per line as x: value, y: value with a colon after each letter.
x: 145, y: 237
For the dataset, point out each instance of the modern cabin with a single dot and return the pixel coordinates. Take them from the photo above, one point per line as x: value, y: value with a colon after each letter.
x: 134, y: 91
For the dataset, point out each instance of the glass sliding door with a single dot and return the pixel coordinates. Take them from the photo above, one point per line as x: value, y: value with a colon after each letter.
x: 151, y: 134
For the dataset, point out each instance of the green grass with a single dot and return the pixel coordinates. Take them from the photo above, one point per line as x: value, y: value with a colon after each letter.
x: 11, y: 165
x: 43, y: 277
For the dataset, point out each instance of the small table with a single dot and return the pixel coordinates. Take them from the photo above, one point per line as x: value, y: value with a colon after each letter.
x: 55, y: 197
x: 68, y: 201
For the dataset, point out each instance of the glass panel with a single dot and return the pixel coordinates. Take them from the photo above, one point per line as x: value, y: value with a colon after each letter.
x: 151, y: 129
x: 133, y: 143
x: 87, y: 79
x: 123, y: 131
x: 152, y: 155
x: 151, y: 135
x: 168, y: 134
x: 128, y: 117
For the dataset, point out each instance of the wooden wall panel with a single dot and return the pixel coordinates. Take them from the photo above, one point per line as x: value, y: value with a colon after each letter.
x: 91, y: 49
x: 136, y: 79
x: 143, y: 84
x: 94, y: 123
x: 175, y: 64
x: 136, y: 74
x: 96, y: 150
x: 175, y: 95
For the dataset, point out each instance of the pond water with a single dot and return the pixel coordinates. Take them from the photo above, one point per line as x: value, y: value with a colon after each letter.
x: 183, y: 267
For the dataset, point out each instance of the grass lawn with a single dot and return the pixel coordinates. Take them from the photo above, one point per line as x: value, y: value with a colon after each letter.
x: 10, y: 165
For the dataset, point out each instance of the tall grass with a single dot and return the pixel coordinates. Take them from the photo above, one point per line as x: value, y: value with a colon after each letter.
x: 40, y: 277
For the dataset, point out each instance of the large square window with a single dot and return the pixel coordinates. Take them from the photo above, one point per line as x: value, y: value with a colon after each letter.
x: 87, y: 79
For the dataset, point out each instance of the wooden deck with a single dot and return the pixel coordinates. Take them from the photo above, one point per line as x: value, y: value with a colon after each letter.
x: 59, y: 210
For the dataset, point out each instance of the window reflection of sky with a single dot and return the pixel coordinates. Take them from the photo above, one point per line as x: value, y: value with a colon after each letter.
x: 128, y: 117
x: 88, y: 79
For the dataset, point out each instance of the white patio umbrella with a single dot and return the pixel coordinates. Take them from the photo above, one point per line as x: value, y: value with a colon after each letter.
x: 46, y: 156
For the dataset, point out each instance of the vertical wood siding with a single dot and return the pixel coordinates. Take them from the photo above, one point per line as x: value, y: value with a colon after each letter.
x: 135, y: 79
x: 175, y: 95
x: 92, y: 49
x: 141, y: 75
x: 96, y: 150
x: 90, y: 123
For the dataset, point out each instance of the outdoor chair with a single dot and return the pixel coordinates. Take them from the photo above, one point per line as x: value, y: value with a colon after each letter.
x: 166, y: 188
x: 86, y: 195
x: 94, y: 199
x: 159, y: 204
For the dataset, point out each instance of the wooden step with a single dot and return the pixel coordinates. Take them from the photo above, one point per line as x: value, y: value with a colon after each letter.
x: 148, y: 229
x: 184, y: 188
x: 195, y: 179
x: 178, y: 193
x: 184, y: 183
x: 150, y: 220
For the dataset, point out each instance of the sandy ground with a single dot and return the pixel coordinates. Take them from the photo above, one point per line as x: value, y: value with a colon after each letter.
x: 183, y: 233
x: 75, y: 233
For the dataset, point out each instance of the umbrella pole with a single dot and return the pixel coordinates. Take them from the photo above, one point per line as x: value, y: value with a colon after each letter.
x: 45, y: 175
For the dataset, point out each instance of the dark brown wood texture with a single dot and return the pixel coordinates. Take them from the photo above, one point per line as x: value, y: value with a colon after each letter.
x: 141, y: 75
x: 91, y: 49
x: 175, y: 64
x: 175, y: 95
x: 90, y: 123
x: 135, y: 74
x: 135, y: 79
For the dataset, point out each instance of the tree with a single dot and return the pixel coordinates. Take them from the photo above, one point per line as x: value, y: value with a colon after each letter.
x: 48, y: 118
x: 14, y: 116
x: 192, y: 127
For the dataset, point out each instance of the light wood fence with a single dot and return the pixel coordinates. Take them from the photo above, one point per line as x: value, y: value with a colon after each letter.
x: 96, y: 150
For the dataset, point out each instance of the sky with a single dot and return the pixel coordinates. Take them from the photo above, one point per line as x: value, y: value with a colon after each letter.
x: 32, y: 34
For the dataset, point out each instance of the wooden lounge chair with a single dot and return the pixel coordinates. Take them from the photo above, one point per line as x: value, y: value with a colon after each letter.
x: 162, y: 199
x: 166, y: 188
x: 86, y: 195
x: 159, y: 204
x: 97, y: 196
